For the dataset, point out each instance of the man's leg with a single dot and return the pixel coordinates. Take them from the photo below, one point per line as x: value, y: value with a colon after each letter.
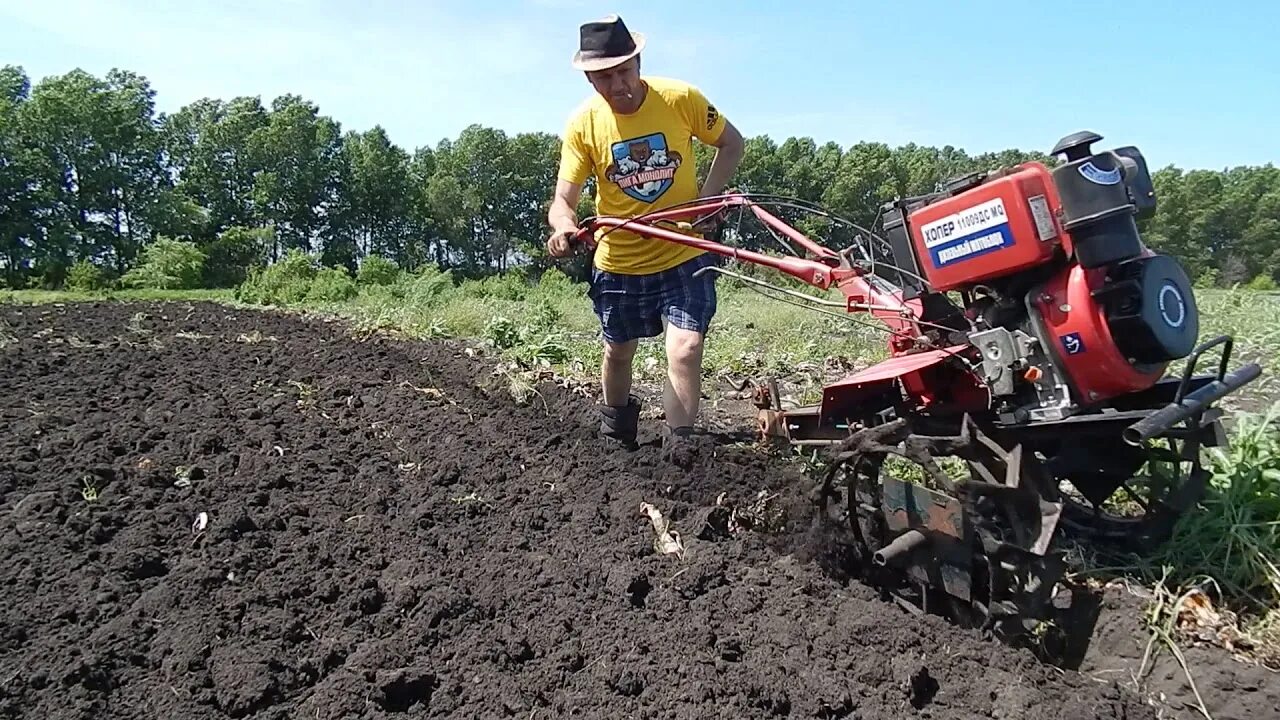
x: 616, y: 370
x: 626, y: 314
x: 688, y: 307
x: 682, y: 392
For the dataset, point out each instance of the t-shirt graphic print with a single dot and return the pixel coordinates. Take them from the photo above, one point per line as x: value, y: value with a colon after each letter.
x: 644, y: 168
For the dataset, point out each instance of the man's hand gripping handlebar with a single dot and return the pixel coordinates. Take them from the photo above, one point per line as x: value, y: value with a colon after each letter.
x: 571, y: 242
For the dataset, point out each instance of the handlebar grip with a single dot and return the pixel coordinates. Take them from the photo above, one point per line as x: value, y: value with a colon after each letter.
x: 583, y: 238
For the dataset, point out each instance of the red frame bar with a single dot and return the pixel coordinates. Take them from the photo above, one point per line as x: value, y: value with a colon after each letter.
x: 712, y: 206
x: 900, y: 316
x: 799, y: 237
x: 811, y: 272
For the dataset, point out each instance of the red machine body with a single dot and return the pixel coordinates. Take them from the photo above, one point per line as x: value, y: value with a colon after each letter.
x: 1010, y: 224
x: 999, y: 227
x: 1084, y: 344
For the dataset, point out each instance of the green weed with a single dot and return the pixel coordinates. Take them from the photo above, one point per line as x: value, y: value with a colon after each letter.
x: 1233, y: 536
x: 167, y: 264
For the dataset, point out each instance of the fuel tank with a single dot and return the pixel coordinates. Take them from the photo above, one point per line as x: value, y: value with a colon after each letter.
x: 995, y: 228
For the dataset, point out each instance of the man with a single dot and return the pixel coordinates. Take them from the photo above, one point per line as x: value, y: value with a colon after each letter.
x: 635, y: 135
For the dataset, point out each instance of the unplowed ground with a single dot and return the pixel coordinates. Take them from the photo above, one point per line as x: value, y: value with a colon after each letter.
x: 208, y: 512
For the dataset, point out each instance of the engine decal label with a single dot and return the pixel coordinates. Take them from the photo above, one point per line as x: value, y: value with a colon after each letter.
x: 1097, y: 175
x: 969, y: 221
x: 971, y: 232
x: 1072, y: 343
x: 1044, y: 221
x: 971, y: 245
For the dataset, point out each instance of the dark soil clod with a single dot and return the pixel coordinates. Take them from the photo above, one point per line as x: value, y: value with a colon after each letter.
x: 639, y: 590
x: 406, y: 690
x: 923, y: 688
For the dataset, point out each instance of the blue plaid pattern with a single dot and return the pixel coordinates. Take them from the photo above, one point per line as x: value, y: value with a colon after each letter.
x: 633, y: 306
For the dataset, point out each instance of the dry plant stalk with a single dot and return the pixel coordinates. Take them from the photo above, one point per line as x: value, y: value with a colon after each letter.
x: 666, y: 540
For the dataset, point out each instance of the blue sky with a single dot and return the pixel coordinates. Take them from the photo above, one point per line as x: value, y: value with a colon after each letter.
x: 1192, y: 83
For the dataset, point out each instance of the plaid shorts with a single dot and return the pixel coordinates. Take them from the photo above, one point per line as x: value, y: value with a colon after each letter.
x: 633, y: 306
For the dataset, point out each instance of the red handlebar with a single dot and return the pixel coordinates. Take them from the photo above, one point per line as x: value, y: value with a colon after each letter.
x: 828, y: 269
x: 818, y: 274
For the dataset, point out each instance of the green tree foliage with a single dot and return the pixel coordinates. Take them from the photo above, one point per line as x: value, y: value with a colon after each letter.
x: 235, y: 252
x: 374, y: 198
x: 167, y: 264
x: 20, y: 201
x: 91, y: 176
x: 377, y: 270
x: 84, y: 276
x: 96, y: 183
x: 298, y: 154
x: 207, y: 147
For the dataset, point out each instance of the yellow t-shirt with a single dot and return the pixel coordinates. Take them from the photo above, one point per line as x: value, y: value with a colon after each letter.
x: 642, y: 162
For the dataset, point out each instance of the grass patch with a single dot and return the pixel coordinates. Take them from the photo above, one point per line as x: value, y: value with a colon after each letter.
x: 1234, y: 536
x: 1250, y: 317
x: 550, y: 323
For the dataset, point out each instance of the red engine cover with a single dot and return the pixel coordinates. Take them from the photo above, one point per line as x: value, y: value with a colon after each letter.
x: 997, y: 228
x: 1081, y: 339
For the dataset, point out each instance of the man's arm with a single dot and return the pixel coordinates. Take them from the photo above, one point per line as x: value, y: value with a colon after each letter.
x: 729, y: 148
x: 563, y: 217
x: 713, y: 128
x: 575, y: 167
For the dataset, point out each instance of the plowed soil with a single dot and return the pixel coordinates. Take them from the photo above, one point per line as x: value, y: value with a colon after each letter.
x: 208, y: 512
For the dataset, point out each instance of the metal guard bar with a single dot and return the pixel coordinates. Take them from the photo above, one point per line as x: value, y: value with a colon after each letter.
x: 1187, y: 405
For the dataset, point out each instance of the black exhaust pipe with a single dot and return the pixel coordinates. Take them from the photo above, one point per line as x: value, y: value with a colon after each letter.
x: 1192, y: 404
x: 903, y: 544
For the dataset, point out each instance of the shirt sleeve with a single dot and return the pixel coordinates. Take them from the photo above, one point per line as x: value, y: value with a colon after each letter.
x: 575, y: 163
x: 706, y: 119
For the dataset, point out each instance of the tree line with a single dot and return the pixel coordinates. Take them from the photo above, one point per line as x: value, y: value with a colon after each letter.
x: 93, y: 178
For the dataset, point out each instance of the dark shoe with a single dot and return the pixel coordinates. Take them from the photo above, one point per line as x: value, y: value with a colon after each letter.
x: 620, y: 423
x: 678, y: 446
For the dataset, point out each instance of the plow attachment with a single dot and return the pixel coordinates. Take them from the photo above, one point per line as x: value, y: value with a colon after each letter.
x: 953, y: 520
